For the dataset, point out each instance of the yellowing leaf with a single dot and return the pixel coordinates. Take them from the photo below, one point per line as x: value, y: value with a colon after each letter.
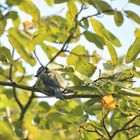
x: 23, y: 38
x: 29, y: 7
x: 112, y: 52
x: 19, y: 46
x: 49, y: 2
x: 96, y: 57
x: 137, y: 32
x: 99, y: 28
x: 71, y: 13
x: 108, y: 102
x: 133, y: 51
x: 97, y: 25
x: 137, y: 62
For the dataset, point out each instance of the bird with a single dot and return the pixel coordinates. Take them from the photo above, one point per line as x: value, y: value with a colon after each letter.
x: 49, y: 82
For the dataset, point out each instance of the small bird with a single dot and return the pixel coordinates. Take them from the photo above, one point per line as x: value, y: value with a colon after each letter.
x: 49, y: 82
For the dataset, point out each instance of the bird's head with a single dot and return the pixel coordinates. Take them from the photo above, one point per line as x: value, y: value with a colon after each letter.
x: 40, y: 70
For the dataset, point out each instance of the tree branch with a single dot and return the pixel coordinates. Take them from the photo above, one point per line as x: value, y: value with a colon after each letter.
x: 36, y: 90
x: 98, y: 13
x: 93, y: 131
x: 104, y: 125
x: 16, y: 98
x: 68, y: 39
x: 124, y: 128
x: 80, y: 55
x: 38, y: 59
x: 24, y: 110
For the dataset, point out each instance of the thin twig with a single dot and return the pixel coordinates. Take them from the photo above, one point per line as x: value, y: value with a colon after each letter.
x: 24, y: 110
x: 93, y: 131
x: 38, y: 59
x: 80, y: 55
x: 11, y: 67
x: 98, y: 13
x: 125, y: 126
x: 104, y: 125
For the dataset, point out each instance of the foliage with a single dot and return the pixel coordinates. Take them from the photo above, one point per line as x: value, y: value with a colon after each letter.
x: 110, y: 109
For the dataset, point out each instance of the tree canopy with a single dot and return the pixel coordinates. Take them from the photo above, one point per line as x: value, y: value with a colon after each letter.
x: 101, y: 99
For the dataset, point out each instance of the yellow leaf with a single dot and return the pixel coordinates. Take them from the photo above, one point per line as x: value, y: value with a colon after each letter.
x: 108, y: 102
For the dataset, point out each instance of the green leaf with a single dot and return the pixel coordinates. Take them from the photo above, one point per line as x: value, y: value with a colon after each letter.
x: 40, y: 35
x: 127, y: 74
x: 137, y: 2
x: 7, y: 132
x: 16, y: 22
x: 112, y: 38
x: 12, y: 15
x: 92, y: 105
x: 108, y: 66
x: 137, y: 62
x: 18, y: 67
x: 2, y: 26
x: 129, y: 92
x: 49, y: 50
x: 133, y: 51
x: 118, y: 17
x: 83, y: 77
x: 19, y: 43
x: 94, y: 38
x: 44, y: 105
x: 5, y: 54
x: 83, y: 89
x: 102, y: 6
x: 112, y: 52
x: 86, y: 23
x: 133, y: 16
x: 23, y: 38
x: 12, y: 3
x: 71, y: 13
x: 29, y: 7
x: 99, y: 28
x: 60, y: 1
x: 81, y: 63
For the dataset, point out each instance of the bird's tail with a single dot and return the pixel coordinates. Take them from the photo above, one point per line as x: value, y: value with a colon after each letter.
x: 58, y: 93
